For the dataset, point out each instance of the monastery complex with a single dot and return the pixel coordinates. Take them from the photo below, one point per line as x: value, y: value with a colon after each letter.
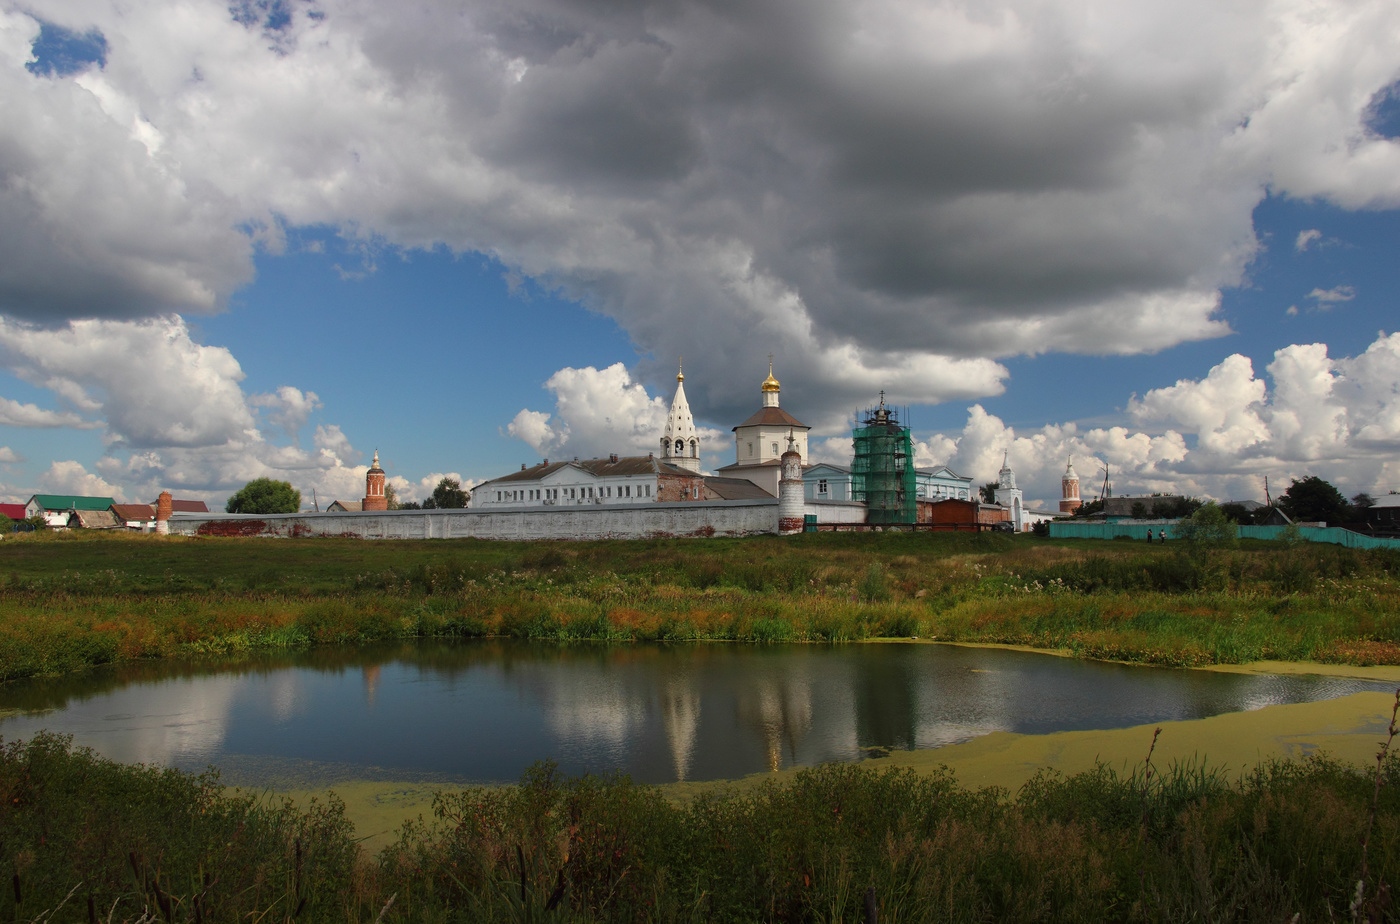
x: 771, y: 486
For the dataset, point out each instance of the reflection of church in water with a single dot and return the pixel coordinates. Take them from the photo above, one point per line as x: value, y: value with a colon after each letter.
x: 727, y: 714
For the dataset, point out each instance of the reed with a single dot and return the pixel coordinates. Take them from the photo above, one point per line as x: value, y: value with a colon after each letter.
x: 1181, y: 843
x: 80, y: 600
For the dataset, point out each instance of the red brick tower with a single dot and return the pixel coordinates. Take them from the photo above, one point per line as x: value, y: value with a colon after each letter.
x: 164, y: 506
x: 1069, y: 489
x: 374, y: 487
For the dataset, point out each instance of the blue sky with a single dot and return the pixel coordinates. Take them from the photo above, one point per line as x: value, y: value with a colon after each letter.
x: 269, y: 239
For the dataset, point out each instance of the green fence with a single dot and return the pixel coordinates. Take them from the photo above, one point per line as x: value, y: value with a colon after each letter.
x: 1330, y: 534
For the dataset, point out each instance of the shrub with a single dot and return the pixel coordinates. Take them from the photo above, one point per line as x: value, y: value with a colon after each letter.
x: 1208, y: 524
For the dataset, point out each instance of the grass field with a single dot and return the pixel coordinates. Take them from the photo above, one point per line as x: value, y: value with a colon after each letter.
x: 70, y: 600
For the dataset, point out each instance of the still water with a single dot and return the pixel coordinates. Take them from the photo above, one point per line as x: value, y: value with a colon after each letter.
x: 484, y: 711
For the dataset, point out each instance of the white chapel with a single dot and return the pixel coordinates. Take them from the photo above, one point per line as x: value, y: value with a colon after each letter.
x: 760, y: 441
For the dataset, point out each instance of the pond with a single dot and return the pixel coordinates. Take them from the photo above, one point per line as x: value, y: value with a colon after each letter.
x: 483, y: 711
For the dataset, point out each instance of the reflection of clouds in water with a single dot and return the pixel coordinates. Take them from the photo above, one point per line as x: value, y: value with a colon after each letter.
x: 942, y: 734
x: 181, y: 722
x: 283, y: 689
x: 593, y: 711
x: 961, y: 704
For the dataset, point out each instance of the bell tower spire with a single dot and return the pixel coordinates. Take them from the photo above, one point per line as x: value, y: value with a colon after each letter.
x: 680, y: 442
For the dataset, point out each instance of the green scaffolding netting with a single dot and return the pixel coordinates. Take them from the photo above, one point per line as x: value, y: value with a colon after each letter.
x: 883, y: 470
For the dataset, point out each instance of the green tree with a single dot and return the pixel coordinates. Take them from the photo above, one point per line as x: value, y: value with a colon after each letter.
x: 263, y: 495
x: 1139, y: 511
x: 1175, y: 508
x: 989, y: 492
x: 6, y: 524
x: 1207, y: 524
x: 1089, y: 508
x: 1236, y: 512
x: 390, y: 497
x: 448, y: 495
x: 1313, y: 500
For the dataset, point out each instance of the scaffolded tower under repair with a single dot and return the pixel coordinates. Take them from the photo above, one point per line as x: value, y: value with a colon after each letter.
x: 882, y: 474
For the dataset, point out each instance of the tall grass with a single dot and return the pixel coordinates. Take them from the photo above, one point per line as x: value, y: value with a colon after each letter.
x: 1184, y: 843
x: 82, y: 600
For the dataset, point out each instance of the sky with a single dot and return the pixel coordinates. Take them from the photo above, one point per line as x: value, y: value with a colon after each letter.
x: 267, y: 238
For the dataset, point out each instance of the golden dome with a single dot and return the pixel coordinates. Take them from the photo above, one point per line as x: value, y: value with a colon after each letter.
x: 680, y: 371
x: 770, y: 383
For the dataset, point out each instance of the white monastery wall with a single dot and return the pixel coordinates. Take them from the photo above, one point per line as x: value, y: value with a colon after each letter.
x: 703, y: 519
x: 836, y: 511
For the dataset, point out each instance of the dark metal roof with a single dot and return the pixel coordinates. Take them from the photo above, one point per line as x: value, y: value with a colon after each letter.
x: 771, y: 463
x: 773, y: 416
x: 733, y: 489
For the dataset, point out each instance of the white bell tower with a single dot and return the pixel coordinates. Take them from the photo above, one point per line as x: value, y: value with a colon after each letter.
x: 1008, y: 495
x: 680, y: 443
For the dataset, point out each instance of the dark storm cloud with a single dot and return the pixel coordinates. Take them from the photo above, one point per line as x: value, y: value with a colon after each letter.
x: 605, y: 115
x: 889, y: 193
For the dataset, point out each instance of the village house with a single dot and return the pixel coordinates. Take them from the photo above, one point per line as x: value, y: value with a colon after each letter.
x: 93, y: 519
x: 55, y: 508
x: 137, y: 517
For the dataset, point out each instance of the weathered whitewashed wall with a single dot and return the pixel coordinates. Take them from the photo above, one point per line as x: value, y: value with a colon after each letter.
x: 644, y: 521
x: 835, y: 511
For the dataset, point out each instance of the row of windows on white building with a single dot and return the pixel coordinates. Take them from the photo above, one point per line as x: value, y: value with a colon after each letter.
x: 554, y: 495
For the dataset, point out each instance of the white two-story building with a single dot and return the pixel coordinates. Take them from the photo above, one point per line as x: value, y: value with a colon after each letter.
x: 614, y: 480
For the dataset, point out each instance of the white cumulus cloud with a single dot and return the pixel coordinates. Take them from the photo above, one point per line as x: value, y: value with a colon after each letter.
x: 69, y: 477
x: 1218, y: 436
x: 598, y: 412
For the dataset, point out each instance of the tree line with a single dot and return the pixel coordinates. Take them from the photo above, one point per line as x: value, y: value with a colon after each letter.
x: 266, y: 495
x: 1308, y: 500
